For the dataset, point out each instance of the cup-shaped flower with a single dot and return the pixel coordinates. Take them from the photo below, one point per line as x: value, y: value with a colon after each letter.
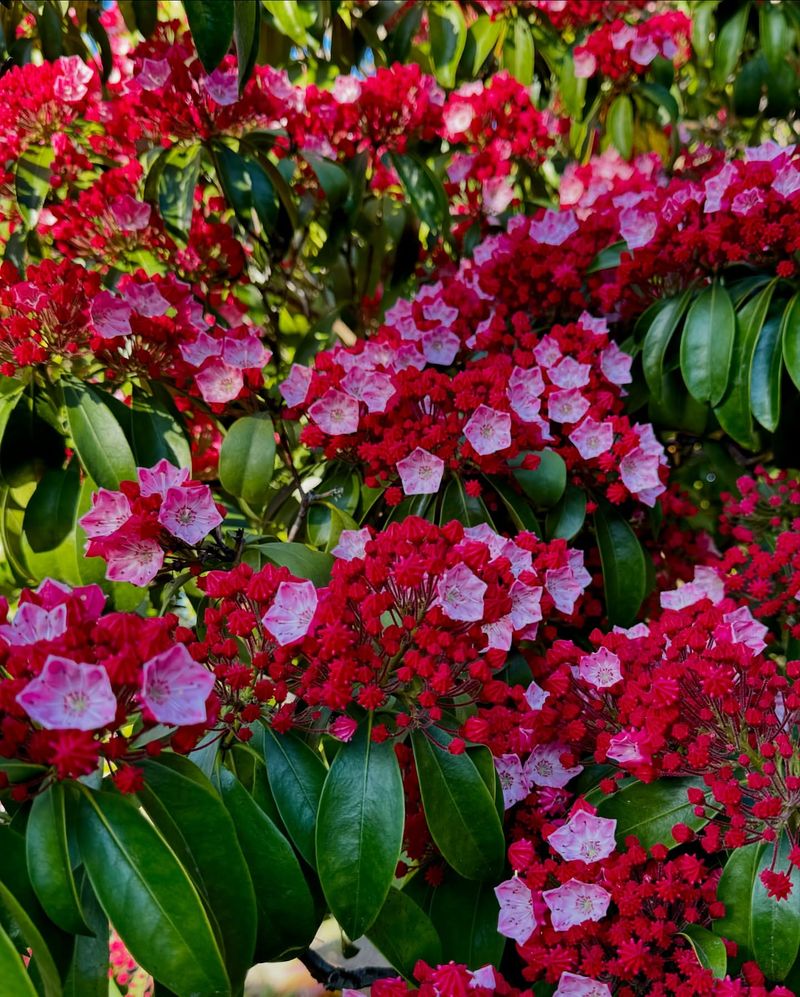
x: 292, y: 611
x: 175, y: 687
x: 69, y: 695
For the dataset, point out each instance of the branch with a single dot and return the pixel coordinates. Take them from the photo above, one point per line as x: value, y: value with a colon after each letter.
x: 339, y: 977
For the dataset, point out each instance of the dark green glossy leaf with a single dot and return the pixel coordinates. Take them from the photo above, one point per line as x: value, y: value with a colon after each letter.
x: 774, y: 34
x: 50, y: 514
x: 149, y: 897
x: 485, y: 32
x: 459, y: 809
x: 456, y: 504
x: 403, y: 933
x: 16, y: 982
x: 48, y: 860
x: 566, y: 519
x: 286, y: 918
x: 649, y: 810
x: 292, y: 19
x: 332, y: 178
x: 247, y: 459
x: 765, y: 376
x: 707, y: 344
x: 246, y: 30
x: 518, y: 52
x: 153, y: 432
x: 658, y: 337
x: 546, y: 484
x: 709, y: 949
x: 193, y: 821
x: 296, y: 776
x: 448, y: 36
x: 424, y: 190
x: 98, y: 437
x: 88, y: 969
x: 619, y: 125
x: 465, y: 915
x: 703, y: 29
x: 735, y: 891
x: 517, y: 506
x: 32, y: 182
x: 608, y: 258
x: 300, y: 560
x: 175, y: 187
x: 247, y: 188
x: 728, y: 45
x: 790, y: 325
x: 360, y: 830
x: 211, y: 24
x: 624, y: 569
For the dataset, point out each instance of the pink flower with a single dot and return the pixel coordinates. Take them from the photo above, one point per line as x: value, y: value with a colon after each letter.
x: 110, y: 511
x: 346, y: 89
x: 746, y: 200
x: 535, y: 696
x: 352, y: 544
x: 643, y: 51
x: 130, y: 214
x: 639, y: 471
x: 564, y: 588
x: 343, y: 728
x: 512, y: 779
x: 543, y: 766
x: 483, y: 977
x: 153, y: 74
x: 499, y: 634
x: 73, y: 83
x: 574, y: 985
x: 189, y: 513
x: 523, y: 392
x: 627, y: 748
x: 369, y: 387
x: 585, y: 838
x: 111, y: 316
x: 33, y: 623
x: 459, y: 593
x: 440, y: 346
x: 488, y: 430
x: 575, y: 903
x: 175, y: 687
x: 787, y: 182
x: 526, y: 604
x: 146, y: 299
x: 584, y: 62
x: 554, y: 228
x: 158, y: 479
x: 743, y: 629
x: 547, y: 352
x: 200, y: 349
x: 458, y: 117
x: 567, y: 406
x: 420, y: 473
x: 295, y: 388
x: 592, y: 438
x: 219, y: 382
x: 497, y: 195
x: 600, y: 669
x: 615, y: 364
x: 67, y: 695
x: 131, y: 557
x: 335, y: 413
x: 517, y: 919
x: 636, y: 227
x: 292, y: 611
x: 716, y: 187
x: 247, y: 353
x: 222, y: 86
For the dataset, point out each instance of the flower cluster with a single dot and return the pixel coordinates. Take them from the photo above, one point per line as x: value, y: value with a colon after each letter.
x: 161, y: 515
x: 72, y: 679
x: 618, y: 49
x: 420, y: 613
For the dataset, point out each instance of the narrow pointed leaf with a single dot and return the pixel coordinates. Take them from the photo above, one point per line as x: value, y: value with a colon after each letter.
x: 707, y: 344
x: 649, y: 810
x: 464, y: 913
x: 790, y: 325
x: 657, y: 340
x: 16, y: 982
x: 98, y: 437
x: 765, y: 377
x: 211, y: 24
x: 403, y: 933
x: 296, y: 776
x: 624, y: 568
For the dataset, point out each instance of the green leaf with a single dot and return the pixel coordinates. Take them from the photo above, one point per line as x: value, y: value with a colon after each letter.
x: 300, y: 560
x: 546, y: 484
x: 88, y: 970
x: 703, y: 28
x: 619, y: 125
x: 286, y: 918
x: 707, y: 344
x: 465, y: 915
x: 728, y: 45
x: 247, y: 459
x: 790, y: 326
x: 246, y: 33
x: 459, y: 809
x: 735, y: 891
x: 403, y: 933
x: 292, y: 19
x: 50, y: 514
x: 153, y: 432
x: 734, y: 413
x: 360, y: 830
x: 448, y: 36
x: 98, y: 437
x: 296, y: 776
x: 424, y: 190
x: 48, y: 860
x: 16, y: 982
x: 327, y: 518
x: 332, y: 178
x: 566, y: 519
x: 608, y: 258
x: 649, y: 810
x: 709, y: 949
x: 485, y: 33
x: 517, y: 507
x: 211, y: 24
x: 774, y: 34
x: 175, y: 186
x: 518, y: 52
x: 658, y: 337
x: 32, y: 182
x: 149, y: 897
x: 186, y: 809
x: 624, y: 568
x: 765, y: 375
x: 146, y: 14
x: 247, y: 188
x: 456, y: 504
